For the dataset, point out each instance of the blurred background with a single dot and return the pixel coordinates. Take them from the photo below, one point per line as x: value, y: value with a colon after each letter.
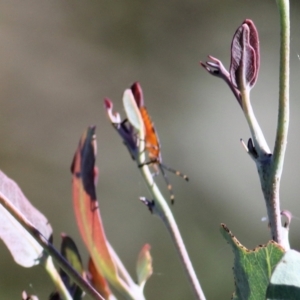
x: 59, y: 59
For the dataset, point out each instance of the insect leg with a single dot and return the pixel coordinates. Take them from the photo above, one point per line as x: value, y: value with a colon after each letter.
x: 176, y: 172
x: 169, y: 186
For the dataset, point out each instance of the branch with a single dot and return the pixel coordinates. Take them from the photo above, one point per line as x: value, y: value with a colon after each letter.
x: 161, y: 207
x: 244, y: 67
x: 283, y: 115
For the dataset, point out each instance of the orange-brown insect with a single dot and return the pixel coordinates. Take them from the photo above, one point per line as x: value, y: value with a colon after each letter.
x: 152, y: 144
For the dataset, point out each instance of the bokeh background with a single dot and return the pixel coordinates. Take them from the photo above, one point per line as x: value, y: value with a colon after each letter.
x: 59, y: 59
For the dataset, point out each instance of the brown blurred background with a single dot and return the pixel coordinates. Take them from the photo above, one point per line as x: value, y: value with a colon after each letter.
x: 59, y: 59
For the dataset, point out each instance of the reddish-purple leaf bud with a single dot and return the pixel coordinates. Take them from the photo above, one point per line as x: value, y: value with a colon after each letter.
x: 245, y: 56
x: 288, y: 216
x: 138, y: 94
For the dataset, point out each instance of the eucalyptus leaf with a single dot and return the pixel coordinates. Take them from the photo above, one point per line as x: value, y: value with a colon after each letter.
x: 285, y: 280
x: 23, y: 247
x: 252, y: 268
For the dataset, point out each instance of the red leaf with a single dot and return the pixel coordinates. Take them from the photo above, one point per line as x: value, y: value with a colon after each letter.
x: 245, y: 56
x: 138, y: 94
x: 98, y: 281
x: 86, y: 208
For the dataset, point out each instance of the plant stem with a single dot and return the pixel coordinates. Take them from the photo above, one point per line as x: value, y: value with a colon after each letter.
x: 264, y: 163
x: 48, y: 247
x: 52, y: 271
x: 170, y: 223
x: 270, y: 167
x: 166, y: 216
x: 259, y: 140
x: 283, y: 117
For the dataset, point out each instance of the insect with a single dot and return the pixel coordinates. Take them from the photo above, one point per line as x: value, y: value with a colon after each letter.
x: 152, y: 144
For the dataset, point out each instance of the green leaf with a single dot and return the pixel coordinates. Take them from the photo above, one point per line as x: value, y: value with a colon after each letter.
x: 285, y: 280
x: 70, y: 252
x: 252, y: 268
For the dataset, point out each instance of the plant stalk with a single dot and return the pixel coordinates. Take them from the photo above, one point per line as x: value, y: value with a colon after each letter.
x: 166, y: 216
x: 54, y: 275
x: 283, y: 118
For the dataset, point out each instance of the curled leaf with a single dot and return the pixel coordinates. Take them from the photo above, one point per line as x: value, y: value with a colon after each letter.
x: 245, y: 56
x: 245, y: 61
x: 114, y: 117
x: 124, y: 128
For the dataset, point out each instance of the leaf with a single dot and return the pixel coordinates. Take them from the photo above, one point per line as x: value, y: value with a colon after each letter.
x: 98, y: 281
x: 86, y: 208
x: 252, y: 268
x: 23, y: 247
x: 70, y: 251
x: 124, y: 128
x: 89, y: 221
x: 132, y: 111
x: 245, y: 56
x: 137, y: 93
x: 144, y: 265
x: 285, y: 280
